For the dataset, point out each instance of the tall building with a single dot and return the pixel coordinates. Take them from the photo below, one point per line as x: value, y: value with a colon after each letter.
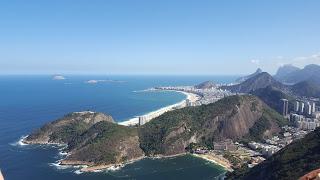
x: 313, y: 106
x: 284, y: 107
x: 296, y: 106
x: 142, y: 120
x: 301, y: 107
x: 308, y: 108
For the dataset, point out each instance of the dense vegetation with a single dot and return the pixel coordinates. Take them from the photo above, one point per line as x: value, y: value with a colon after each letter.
x: 306, y: 88
x: 154, y: 133
x: 99, y: 144
x: 205, y: 123
x: 292, y: 162
x: 271, y: 96
x: 96, y: 139
x: 269, y: 116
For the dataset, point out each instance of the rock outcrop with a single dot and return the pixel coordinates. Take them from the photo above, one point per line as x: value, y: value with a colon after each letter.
x: 63, y: 130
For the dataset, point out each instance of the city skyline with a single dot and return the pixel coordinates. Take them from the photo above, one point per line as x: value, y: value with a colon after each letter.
x: 167, y: 37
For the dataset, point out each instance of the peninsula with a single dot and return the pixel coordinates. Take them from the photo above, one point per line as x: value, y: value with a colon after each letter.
x: 95, y: 140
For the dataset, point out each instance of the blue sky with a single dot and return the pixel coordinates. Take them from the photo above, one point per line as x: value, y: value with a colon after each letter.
x: 157, y: 37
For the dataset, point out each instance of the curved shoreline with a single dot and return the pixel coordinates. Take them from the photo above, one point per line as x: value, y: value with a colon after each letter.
x: 215, y: 161
x: 189, y: 96
x: 85, y: 167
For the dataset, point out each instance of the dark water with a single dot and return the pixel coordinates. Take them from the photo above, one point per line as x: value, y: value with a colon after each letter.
x: 27, y: 102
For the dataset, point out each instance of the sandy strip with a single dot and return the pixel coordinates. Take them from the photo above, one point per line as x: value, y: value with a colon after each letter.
x: 190, y: 96
x: 225, y: 164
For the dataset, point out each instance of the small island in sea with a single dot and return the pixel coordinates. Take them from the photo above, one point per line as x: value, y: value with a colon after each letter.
x: 58, y: 77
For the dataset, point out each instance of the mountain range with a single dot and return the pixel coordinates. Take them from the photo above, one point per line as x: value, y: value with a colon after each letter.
x: 258, y: 81
x: 291, y: 75
x: 308, y: 88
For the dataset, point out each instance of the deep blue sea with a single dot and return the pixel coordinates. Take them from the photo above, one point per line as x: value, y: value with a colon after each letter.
x: 29, y: 101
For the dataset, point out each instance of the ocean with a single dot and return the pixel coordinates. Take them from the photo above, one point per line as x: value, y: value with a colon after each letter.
x: 29, y: 101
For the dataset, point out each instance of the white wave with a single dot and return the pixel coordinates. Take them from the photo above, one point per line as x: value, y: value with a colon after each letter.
x: 115, y: 168
x: 61, y: 153
x: 145, y: 90
x: 57, y: 165
x: 20, y: 142
x: 78, y: 171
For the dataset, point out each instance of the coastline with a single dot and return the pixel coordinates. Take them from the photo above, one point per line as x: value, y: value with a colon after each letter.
x: 189, y: 96
x: 89, y: 167
x: 215, y: 160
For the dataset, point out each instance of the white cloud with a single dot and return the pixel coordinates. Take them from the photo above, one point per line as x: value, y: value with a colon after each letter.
x: 305, y: 60
x: 255, y: 61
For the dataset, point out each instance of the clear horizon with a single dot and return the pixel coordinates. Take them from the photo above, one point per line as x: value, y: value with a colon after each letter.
x: 157, y: 38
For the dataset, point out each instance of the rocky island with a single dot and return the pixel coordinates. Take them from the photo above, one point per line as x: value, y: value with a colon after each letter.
x: 95, y: 140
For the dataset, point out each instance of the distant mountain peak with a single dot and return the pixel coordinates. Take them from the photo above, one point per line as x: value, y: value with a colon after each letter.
x: 291, y: 74
x: 259, y: 70
x: 285, y: 70
x: 258, y: 81
x: 242, y: 79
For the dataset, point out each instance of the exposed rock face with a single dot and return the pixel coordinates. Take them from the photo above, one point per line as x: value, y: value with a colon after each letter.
x: 63, y: 130
x: 242, y: 79
x: 284, y: 71
x: 259, y: 81
x: 233, y: 117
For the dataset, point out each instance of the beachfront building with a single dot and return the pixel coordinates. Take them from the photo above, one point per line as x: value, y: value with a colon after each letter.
x: 226, y: 145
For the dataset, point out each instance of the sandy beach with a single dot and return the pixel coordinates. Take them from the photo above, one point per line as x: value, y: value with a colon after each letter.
x: 189, y: 96
x: 215, y: 159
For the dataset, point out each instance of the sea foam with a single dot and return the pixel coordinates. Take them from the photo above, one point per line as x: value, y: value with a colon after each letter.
x: 19, y: 142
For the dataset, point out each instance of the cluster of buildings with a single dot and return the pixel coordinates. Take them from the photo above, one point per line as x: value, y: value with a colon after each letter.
x: 266, y: 149
x: 226, y: 145
x: 274, y: 144
x: 304, y: 123
x: 206, y: 96
x: 305, y: 114
x: 304, y: 107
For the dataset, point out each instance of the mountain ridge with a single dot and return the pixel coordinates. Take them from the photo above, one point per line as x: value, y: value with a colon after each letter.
x: 244, y: 78
x: 309, y: 72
